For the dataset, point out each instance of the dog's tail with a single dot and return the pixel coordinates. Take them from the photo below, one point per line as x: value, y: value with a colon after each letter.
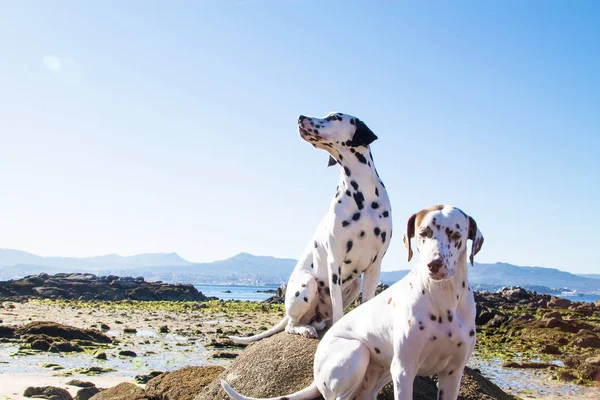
x: 308, y: 393
x: 247, y: 340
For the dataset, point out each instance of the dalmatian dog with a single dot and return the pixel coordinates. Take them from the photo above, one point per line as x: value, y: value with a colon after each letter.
x: 351, y: 239
x: 422, y: 325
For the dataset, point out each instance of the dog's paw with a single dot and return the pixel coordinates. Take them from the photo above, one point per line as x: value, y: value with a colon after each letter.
x: 306, y: 331
x: 310, y: 332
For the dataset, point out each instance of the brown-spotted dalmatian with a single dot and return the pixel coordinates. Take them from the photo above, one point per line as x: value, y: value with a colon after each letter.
x: 422, y: 325
x: 351, y: 239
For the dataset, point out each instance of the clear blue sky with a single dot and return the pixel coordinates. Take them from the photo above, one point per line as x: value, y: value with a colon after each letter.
x: 139, y: 126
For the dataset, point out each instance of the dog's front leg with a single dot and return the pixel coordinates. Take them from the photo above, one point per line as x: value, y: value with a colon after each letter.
x: 449, y: 384
x: 371, y: 280
x: 403, y: 380
x: 335, y: 287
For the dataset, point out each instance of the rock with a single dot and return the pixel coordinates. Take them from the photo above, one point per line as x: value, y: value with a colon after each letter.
x: 65, y: 347
x: 91, y: 287
x: 86, y: 393
x: 516, y: 293
x: 123, y: 391
x: 559, y: 302
x: 50, y: 292
x: 143, y: 379
x: 104, y: 327
x: 527, y: 365
x: 127, y: 353
x: 65, y: 332
x: 47, y: 392
x: 584, y: 310
x: 562, y: 325
x: 595, y: 361
x: 485, y: 316
x: 224, y: 355
x: 182, y: 384
x: 279, y: 297
x: 129, y: 330
x: 100, y: 356
x: 163, y: 329
x: 549, y: 349
x: 79, y: 383
x: 6, y: 331
x: 562, y: 341
x: 553, y: 314
x: 283, y: 364
x: 124, y: 284
x: 587, y: 340
x: 497, y: 321
x: 42, y: 345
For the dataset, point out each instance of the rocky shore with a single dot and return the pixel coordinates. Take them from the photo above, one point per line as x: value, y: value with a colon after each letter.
x: 92, y: 287
x: 531, y: 330
x: 546, y: 338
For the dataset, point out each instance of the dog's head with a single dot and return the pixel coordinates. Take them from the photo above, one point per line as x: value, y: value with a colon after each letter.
x: 337, y: 133
x: 441, y: 236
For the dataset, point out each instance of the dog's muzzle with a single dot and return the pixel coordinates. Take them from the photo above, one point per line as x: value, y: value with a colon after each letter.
x: 307, y: 133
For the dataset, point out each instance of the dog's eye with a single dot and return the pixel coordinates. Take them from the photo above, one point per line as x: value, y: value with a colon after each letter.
x: 426, y: 233
x: 456, y: 236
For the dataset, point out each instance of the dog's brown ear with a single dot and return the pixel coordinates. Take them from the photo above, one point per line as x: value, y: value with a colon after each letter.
x: 331, y: 162
x: 363, y: 136
x: 409, y: 234
x: 476, y: 237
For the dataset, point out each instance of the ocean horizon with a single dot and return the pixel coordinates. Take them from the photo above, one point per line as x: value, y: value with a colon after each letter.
x: 251, y: 293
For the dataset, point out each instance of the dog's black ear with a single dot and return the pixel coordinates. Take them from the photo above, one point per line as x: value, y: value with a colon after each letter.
x: 476, y: 237
x: 331, y: 162
x: 363, y: 136
x: 409, y: 234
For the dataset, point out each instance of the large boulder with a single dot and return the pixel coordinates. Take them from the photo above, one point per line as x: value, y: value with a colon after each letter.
x: 183, y: 384
x: 65, y: 332
x: 559, y: 302
x: 47, y: 392
x: 283, y: 364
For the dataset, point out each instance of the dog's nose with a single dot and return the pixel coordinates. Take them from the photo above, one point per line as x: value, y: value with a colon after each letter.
x: 301, y: 118
x: 435, y: 265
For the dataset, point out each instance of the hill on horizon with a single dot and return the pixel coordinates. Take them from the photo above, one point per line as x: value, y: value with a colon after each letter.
x: 248, y: 269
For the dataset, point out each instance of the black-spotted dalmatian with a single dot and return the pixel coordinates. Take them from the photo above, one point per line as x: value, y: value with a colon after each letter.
x: 422, y: 325
x: 350, y: 241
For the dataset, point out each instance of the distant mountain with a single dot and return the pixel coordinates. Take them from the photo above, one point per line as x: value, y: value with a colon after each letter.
x: 592, y: 276
x: 16, y: 263
x: 9, y: 258
x: 248, y: 269
x: 241, y: 269
x: 505, y: 274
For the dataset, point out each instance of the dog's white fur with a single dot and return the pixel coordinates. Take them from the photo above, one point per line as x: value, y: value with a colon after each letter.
x: 350, y: 241
x: 422, y: 325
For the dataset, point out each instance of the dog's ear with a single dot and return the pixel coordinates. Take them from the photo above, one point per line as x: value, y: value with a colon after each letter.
x: 363, y: 136
x: 476, y: 237
x: 409, y: 234
x: 331, y: 162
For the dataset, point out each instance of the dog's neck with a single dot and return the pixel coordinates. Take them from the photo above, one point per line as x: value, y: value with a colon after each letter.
x: 358, y: 174
x: 449, y: 293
